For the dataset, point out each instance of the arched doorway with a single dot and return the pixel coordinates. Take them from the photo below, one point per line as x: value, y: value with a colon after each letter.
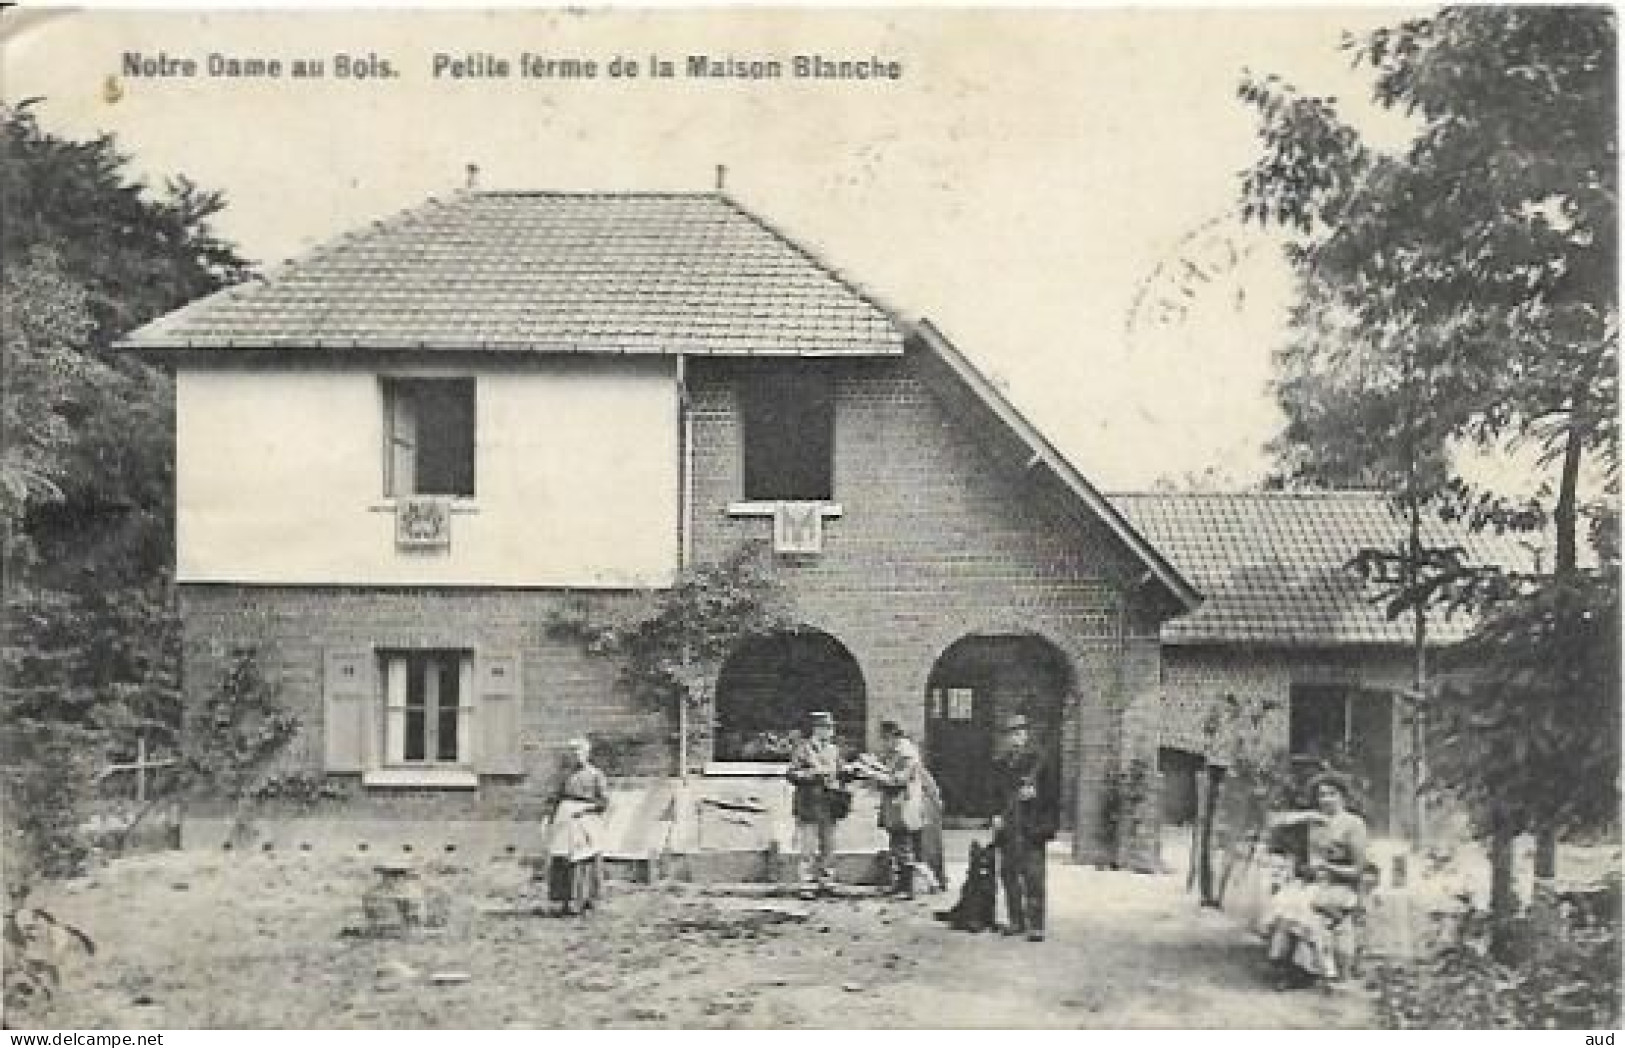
x: 977, y: 680
x: 768, y: 684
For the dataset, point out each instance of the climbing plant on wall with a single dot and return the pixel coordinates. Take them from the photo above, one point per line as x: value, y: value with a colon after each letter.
x: 234, y: 740
x: 672, y: 647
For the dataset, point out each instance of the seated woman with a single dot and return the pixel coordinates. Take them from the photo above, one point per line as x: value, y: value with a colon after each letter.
x: 1311, y: 935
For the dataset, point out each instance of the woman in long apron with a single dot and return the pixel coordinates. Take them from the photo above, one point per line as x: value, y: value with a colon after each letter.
x: 575, y: 877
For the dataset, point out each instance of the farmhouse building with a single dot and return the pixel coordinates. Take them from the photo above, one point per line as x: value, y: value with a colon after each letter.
x: 1293, y: 633
x: 400, y: 457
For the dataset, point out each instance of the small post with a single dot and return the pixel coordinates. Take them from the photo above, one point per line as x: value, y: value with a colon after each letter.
x: 682, y: 713
x: 1208, y: 790
x: 682, y: 737
x: 141, y: 768
x: 1199, y: 839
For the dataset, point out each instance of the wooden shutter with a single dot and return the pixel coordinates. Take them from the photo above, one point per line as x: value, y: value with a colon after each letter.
x: 348, y: 695
x: 395, y: 672
x: 400, y: 440
x: 466, y: 699
x: 497, y: 716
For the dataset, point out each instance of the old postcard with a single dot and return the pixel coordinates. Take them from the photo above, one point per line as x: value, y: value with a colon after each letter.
x: 767, y: 518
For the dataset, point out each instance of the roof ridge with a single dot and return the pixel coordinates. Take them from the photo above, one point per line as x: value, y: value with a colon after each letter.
x: 695, y: 193
x: 884, y: 307
x: 1340, y: 493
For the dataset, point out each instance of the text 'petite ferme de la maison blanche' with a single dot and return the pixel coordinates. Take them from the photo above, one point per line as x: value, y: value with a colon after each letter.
x: 488, y: 66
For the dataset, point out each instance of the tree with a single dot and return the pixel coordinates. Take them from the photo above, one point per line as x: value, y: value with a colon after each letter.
x: 89, y: 654
x: 1349, y: 396
x: 1534, y: 696
x: 1206, y: 480
x: 138, y: 254
x: 47, y: 325
x: 1486, y: 247
x: 1361, y: 414
x: 1476, y: 266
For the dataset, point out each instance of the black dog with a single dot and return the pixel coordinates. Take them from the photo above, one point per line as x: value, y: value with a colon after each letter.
x: 974, y: 910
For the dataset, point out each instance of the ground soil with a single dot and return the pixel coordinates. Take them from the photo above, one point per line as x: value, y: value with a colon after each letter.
x: 189, y: 940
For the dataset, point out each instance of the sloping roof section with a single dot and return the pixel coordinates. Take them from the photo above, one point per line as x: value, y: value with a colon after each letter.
x: 952, y: 366
x: 659, y: 273
x: 1275, y: 566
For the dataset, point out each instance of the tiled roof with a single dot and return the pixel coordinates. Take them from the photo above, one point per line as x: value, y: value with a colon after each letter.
x: 551, y: 272
x: 1274, y: 567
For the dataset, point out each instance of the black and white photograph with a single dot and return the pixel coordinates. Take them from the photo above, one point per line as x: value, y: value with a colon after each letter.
x: 920, y: 518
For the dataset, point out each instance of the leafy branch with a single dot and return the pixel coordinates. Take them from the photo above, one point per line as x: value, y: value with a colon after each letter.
x: 672, y: 649
x: 235, y: 737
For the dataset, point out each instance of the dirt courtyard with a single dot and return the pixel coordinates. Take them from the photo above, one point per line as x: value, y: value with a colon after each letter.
x: 192, y: 940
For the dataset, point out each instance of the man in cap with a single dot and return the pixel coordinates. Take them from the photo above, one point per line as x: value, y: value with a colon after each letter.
x: 815, y: 771
x: 1029, y: 814
x: 901, y: 778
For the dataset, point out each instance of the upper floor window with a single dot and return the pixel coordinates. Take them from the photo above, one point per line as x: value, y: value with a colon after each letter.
x: 788, y: 414
x: 429, y: 436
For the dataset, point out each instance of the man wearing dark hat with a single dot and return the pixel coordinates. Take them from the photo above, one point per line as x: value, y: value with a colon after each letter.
x: 1029, y: 814
x: 815, y: 770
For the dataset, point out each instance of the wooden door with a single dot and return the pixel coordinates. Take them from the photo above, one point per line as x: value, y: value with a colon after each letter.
x: 959, y: 749
x: 1371, y: 730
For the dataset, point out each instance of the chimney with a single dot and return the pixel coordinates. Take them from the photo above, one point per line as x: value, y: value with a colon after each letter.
x: 722, y: 177
x: 473, y: 177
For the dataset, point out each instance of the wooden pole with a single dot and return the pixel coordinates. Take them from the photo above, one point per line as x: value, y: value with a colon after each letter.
x: 1211, y: 784
x: 1196, y: 841
x: 1419, y: 635
x: 682, y: 736
x: 1199, y: 837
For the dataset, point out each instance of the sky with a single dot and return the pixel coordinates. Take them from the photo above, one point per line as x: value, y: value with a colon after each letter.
x: 1028, y: 181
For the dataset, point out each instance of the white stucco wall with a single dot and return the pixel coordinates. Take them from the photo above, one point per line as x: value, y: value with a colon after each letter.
x: 279, y: 477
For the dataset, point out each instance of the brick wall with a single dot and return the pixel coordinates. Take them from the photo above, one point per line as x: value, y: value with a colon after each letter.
x: 1196, y: 680
x: 936, y: 541
x: 567, y: 692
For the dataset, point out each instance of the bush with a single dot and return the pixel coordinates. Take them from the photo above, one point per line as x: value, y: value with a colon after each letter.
x: 1564, y: 973
x: 1127, y: 791
x: 300, y: 789
x: 234, y: 741
x: 49, y: 782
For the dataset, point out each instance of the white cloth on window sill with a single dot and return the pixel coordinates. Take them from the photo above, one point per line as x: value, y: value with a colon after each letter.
x: 576, y: 832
